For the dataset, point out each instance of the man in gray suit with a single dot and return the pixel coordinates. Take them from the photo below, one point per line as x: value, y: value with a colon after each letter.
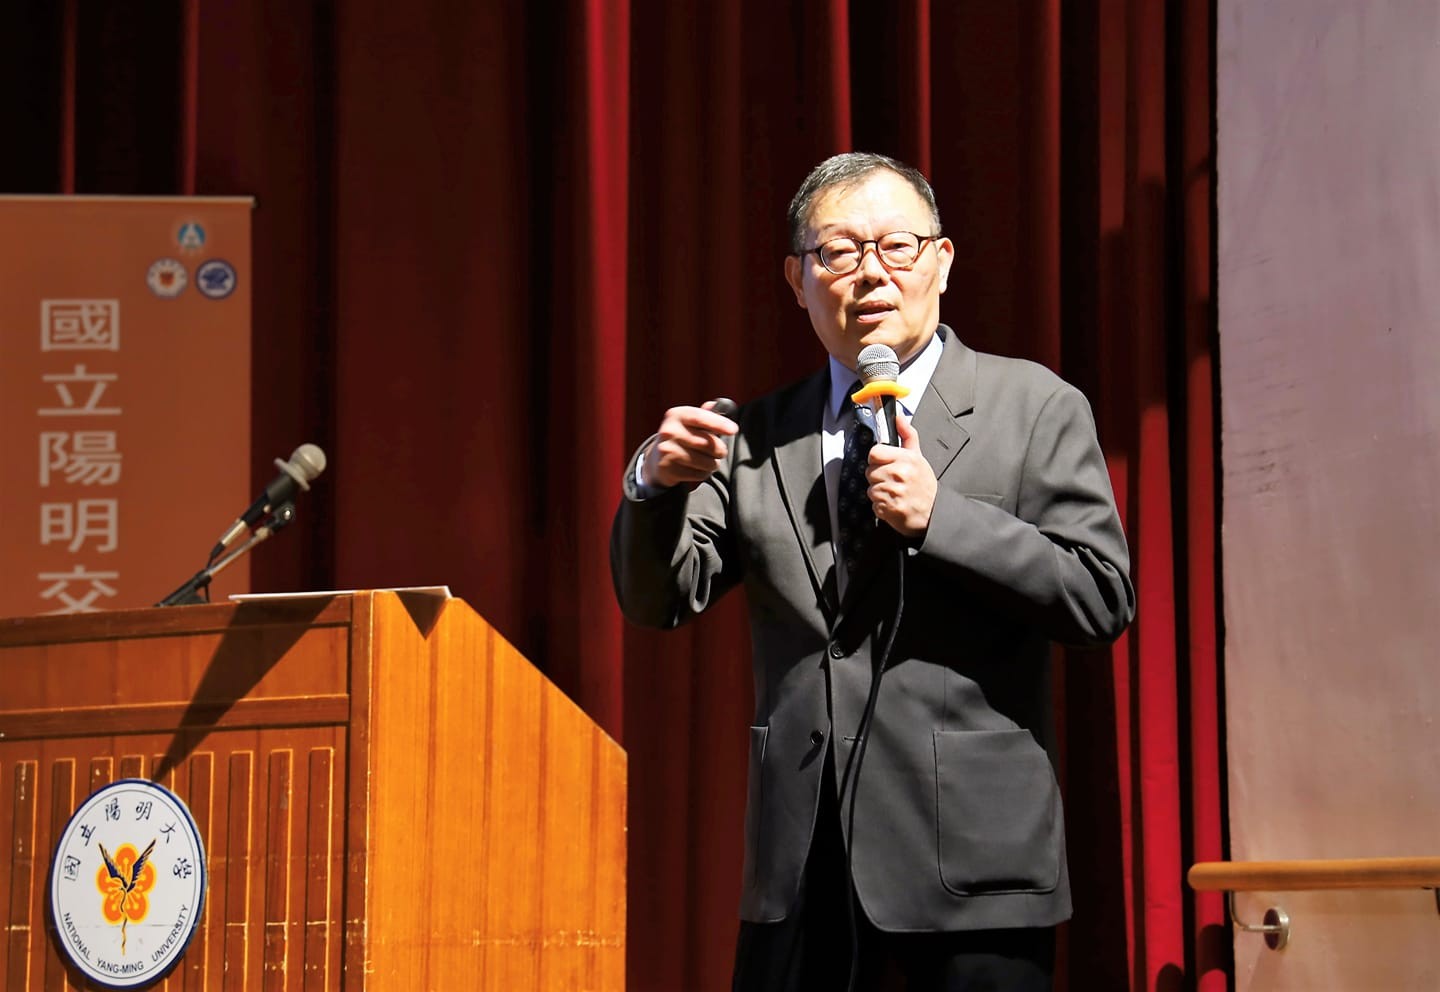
x: 916, y: 828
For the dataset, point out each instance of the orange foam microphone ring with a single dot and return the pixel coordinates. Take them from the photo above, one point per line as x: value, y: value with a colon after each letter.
x: 880, y: 387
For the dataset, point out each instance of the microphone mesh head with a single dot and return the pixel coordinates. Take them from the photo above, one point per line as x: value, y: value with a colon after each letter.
x: 308, y: 460
x: 878, y: 363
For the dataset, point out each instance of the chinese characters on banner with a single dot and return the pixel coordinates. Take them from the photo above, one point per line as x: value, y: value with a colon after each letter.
x: 87, y: 527
x: 124, y: 397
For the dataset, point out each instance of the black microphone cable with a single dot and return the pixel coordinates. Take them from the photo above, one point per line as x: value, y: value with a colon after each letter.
x: 879, y: 368
x: 857, y: 758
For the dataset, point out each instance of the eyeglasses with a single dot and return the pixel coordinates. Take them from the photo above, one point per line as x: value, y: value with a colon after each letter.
x: 896, y: 250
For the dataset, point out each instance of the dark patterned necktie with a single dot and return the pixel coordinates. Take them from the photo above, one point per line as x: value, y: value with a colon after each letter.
x: 855, y: 515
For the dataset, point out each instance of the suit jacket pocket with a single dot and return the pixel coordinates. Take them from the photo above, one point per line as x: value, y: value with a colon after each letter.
x: 754, y: 803
x: 998, y: 821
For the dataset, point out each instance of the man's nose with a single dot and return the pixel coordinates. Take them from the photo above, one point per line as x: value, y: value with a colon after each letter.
x: 871, y: 268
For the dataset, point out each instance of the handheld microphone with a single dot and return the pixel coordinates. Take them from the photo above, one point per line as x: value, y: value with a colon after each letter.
x: 879, y: 370
x: 306, y: 462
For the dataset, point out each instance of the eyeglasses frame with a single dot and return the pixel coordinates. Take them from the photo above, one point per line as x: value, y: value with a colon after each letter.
x: 865, y: 246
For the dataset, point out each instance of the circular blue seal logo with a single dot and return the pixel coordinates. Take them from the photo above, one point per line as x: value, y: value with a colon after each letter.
x: 127, y: 885
x: 215, y: 279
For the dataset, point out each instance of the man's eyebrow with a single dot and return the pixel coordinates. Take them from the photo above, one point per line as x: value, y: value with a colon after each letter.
x: 835, y: 231
x: 842, y: 229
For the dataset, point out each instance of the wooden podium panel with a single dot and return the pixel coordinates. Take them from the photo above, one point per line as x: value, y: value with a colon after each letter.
x: 390, y: 797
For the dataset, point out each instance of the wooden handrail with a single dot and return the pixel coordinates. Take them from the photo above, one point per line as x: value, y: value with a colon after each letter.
x: 1296, y: 876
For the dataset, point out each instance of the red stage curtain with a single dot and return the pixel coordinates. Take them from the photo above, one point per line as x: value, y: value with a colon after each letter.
x: 495, y: 241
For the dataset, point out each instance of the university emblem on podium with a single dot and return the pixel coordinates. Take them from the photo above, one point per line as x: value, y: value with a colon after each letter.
x: 127, y: 884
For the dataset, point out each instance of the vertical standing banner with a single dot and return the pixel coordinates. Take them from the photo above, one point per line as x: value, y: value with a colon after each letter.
x: 124, y: 397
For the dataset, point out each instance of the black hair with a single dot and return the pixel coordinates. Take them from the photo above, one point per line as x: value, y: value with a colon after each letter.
x: 847, y: 170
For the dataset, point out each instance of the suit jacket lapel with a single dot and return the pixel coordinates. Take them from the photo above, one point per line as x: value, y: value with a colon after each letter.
x: 949, y: 396
x: 802, y: 486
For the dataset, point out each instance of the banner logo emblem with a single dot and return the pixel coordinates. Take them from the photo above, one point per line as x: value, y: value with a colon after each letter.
x: 167, y: 278
x: 215, y: 279
x: 190, y: 237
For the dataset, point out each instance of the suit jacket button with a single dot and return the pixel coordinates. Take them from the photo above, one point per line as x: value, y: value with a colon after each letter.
x: 836, y: 651
x: 817, y: 737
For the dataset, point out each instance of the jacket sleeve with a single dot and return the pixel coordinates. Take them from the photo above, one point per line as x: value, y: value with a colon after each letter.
x: 1060, y: 560
x: 673, y: 554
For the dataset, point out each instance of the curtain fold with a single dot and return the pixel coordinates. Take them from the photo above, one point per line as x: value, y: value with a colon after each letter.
x: 494, y: 242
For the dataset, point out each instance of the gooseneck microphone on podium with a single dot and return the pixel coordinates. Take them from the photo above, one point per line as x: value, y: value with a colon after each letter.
x: 272, y: 510
x: 306, y: 462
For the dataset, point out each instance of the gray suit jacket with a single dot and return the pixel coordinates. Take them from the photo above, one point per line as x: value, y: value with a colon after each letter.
x: 957, y: 821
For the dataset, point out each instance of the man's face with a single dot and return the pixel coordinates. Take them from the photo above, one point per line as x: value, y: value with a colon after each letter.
x: 873, y: 304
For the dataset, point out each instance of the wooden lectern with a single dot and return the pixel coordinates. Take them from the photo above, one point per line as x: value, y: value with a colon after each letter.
x: 390, y: 796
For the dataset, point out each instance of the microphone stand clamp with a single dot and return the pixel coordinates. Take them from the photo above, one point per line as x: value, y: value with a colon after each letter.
x: 189, y: 594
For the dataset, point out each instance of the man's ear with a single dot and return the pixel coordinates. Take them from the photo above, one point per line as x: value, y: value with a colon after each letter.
x: 945, y: 255
x: 795, y: 276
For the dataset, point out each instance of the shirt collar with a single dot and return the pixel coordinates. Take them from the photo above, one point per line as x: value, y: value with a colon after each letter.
x: 915, y: 374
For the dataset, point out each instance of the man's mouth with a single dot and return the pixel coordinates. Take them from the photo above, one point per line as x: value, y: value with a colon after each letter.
x: 872, y: 313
